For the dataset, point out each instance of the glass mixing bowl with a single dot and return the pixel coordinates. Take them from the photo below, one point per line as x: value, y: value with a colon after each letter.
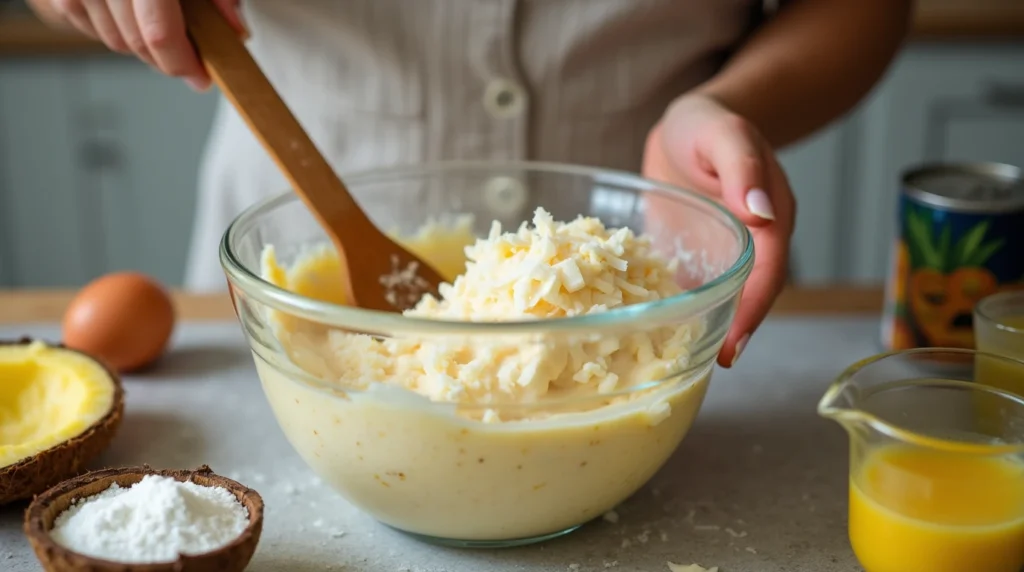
x: 504, y: 471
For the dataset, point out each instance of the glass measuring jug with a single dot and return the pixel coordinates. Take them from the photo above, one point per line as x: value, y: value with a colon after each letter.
x: 999, y: 329
x: 936, y: 478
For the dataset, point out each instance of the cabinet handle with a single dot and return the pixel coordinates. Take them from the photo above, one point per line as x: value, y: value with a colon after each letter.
x: 99, y: 155
x: 1005, y: 95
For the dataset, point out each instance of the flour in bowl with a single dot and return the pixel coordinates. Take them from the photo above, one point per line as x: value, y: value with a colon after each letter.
x: 155, y: 520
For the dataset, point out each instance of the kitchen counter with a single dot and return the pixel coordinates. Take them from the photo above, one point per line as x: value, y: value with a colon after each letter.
x: 20, y: 306
x: 759, y: 484
x: 969, y: 19
x: 935, y: 20
x: 22, y: 35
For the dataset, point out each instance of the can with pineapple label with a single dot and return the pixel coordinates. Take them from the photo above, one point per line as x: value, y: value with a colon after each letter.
x: 959, y: 238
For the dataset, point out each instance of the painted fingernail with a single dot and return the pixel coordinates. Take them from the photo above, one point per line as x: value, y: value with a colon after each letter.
x: 197, y: 85
x: 246, y: 34
x: 759, y: 204
x: 740, y: 345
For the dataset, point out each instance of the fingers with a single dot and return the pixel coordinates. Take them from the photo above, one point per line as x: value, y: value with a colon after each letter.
x: 101, y: 20
x: 152, y: 30
x: 724, y: 155
x: 684, y: 165
x: 74, y: 13
x: 230, y: 10
x: 123, y: 14
x: 771, y: 244
x: 162, y: 27
x: 739, y: 159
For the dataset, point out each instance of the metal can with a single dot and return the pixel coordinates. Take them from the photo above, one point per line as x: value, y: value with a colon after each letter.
x: 960, y: 238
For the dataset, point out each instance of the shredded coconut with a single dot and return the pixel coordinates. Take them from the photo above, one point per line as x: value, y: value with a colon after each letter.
x: 403, y: 287
x: 548, y: 270
x: 553, y: 270
x: 735, y: 534
x: 156, y: 520
x: 690, y: 568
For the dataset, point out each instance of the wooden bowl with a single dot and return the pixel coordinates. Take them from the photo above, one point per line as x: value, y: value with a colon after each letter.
x: 45, y: 509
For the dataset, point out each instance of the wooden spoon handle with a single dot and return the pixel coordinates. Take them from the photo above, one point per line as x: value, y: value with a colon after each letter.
x: 241, y: 80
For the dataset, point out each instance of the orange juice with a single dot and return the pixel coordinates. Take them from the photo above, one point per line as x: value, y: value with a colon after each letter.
x: 1010, y: 343
x: 918, y: 510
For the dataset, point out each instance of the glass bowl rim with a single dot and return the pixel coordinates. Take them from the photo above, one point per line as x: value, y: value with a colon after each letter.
x: 705, y: 296
x: 826, y: 407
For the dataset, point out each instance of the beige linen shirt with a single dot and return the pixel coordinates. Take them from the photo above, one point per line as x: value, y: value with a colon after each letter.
x: 385, y: 82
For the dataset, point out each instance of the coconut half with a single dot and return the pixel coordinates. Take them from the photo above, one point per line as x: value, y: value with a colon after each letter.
x: 45, y: 508
x: 59, y: 409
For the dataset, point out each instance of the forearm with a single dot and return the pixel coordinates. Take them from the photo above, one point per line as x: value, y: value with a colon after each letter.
x: 810, y: 64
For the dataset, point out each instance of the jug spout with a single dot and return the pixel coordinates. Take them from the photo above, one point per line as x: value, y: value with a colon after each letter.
x: 840, y: 404
x: 936, y: 398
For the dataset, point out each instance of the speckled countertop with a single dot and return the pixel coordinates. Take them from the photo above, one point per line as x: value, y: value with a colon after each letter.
x: 936, y: 20
x: 759, y: 485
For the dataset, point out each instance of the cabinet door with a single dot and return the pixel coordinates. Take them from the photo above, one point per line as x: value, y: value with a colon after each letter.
x: 146, y: 135
x: 939, y: 103
x: 50, y: 218
x: 6, y: 269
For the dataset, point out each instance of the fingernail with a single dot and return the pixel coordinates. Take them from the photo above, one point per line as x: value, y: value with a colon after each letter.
x: 740, y: 345
x: 197, y: 85
x: 759, y: 204
x: 240, y: 16
x: 246, y: 34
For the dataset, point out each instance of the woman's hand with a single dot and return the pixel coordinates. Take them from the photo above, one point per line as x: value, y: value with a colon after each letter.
x: 153, y: 30
x: 701, y: 145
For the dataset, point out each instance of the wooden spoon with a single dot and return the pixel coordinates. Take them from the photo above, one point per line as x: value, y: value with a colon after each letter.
x: 381, y: 275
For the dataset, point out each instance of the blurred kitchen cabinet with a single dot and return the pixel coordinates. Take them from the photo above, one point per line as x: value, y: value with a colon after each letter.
x: 816, y: 170
x: 99, y: 158
x: 949, y: 102
x: 98, y: 167
x: 49, y: 216
x: 142, y: 145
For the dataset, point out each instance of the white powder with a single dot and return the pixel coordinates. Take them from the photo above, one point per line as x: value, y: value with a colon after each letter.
x: 156, y: 520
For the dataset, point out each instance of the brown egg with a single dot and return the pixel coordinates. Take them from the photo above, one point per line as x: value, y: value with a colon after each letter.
x: 124, y: 319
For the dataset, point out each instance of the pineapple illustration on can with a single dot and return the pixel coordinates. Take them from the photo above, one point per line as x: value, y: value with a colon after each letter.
x: 959, y: 238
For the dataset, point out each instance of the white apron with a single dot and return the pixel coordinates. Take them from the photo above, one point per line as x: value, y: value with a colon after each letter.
x: 386, y: 82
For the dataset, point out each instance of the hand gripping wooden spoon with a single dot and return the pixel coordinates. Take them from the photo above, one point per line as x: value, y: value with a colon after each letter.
x: 381, y: 275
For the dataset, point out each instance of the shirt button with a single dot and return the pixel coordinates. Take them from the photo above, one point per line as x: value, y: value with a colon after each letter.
x: 504, y: 99
x: 505, y: 197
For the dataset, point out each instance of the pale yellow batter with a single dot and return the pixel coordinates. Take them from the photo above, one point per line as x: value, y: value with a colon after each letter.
x: 483, y: 438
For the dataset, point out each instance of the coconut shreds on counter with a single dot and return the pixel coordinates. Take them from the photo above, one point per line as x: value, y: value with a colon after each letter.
x: 690, y: 568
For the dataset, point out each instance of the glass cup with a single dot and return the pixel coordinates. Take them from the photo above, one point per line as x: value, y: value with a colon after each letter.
x: 999, y: 329
x: 936, y: 483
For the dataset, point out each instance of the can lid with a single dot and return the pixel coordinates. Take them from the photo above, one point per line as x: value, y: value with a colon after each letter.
x: 967, y: 187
